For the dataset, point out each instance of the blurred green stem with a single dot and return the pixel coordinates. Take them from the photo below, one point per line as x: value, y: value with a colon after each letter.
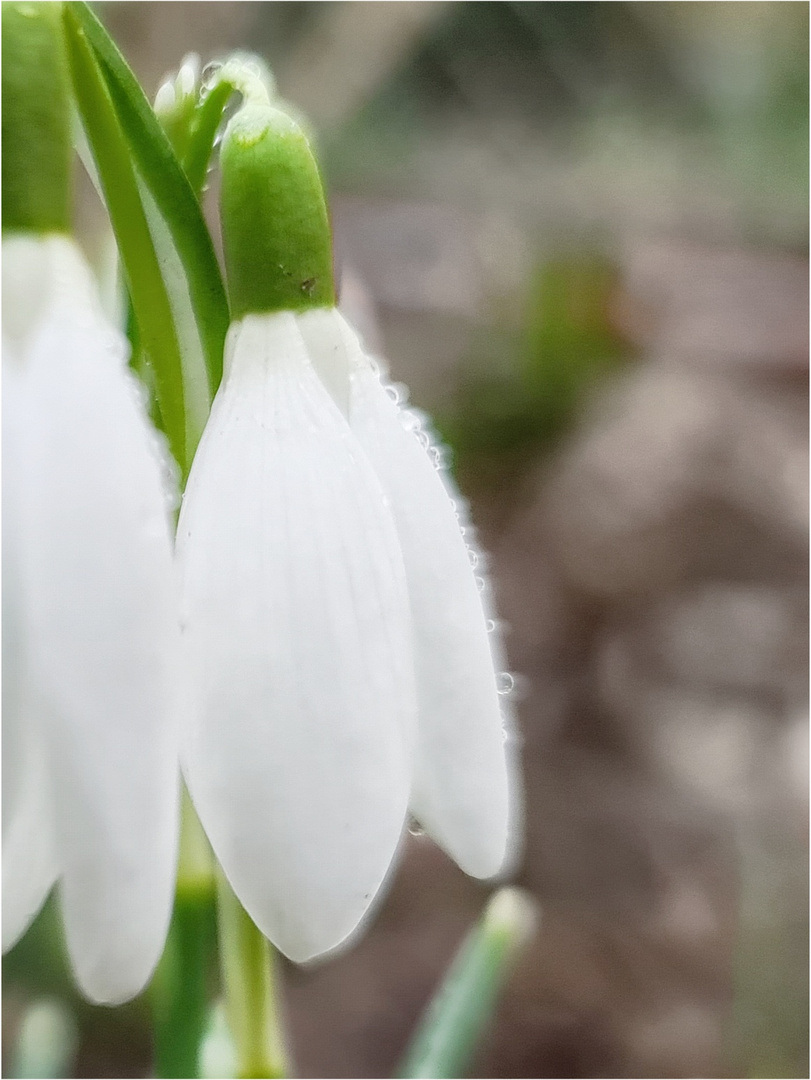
x: 180, y: 991
x: 251, y: 1001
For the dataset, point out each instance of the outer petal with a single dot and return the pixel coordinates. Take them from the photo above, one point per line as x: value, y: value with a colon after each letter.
x: 30, y: 268
x: 102, y: 595
x: 29, y: 865
x: 298, y: 749
x: 464, y: 780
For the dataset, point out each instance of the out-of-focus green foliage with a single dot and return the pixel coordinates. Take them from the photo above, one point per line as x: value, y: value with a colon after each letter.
x: 38, y: 967
x: 509, y: 411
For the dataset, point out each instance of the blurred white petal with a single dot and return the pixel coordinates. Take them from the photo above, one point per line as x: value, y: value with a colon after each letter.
x: 298, y: 753
x: 29, y: 865
x: 16, y: 678
x: 101, y: 598
x: 464, y: 780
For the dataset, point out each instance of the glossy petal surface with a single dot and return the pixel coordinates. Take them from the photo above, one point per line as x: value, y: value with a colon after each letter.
x: 298, y: 749
x: 464, y: 786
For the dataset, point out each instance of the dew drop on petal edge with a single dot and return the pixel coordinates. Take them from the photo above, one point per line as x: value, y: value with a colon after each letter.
x: 505, y: 683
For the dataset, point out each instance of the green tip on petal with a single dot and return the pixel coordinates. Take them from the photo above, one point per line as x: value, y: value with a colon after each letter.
x: 36, y: 120
x: 276, y: 234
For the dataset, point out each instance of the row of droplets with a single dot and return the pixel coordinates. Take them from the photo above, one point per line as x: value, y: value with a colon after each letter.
x: 418, y: 423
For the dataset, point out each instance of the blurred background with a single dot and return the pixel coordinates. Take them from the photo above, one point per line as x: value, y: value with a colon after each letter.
x: 579, y: 233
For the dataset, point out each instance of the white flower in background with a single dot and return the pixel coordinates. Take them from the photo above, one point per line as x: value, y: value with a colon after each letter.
x: 342, y: 669
x: 90, y: 636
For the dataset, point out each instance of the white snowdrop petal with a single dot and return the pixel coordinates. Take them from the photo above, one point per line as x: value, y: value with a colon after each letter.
x: 26, y: 286
x: 298, y: 749
x: 327, y: 350
x: 16, y: 677
x: 102, y: 596
x: 464, y: 786
x: 29, y: 865
x: 29, y: 861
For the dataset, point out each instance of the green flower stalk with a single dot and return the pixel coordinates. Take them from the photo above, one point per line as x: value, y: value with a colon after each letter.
x: 36, y: 120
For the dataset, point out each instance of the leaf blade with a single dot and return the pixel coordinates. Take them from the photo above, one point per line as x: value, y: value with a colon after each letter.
x: 459, y: 1011
x: 172, y: 193
x: 119, y: 184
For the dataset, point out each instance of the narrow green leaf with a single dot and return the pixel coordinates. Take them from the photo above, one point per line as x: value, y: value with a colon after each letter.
x: 205, y: 124
x: 457, y: 1016
x: 136, y: 248
x: 176, y: 205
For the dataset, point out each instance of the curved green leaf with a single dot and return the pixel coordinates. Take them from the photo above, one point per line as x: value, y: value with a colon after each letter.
x: 145, y: 281
x: 205, y: 124
x: 177, y: 207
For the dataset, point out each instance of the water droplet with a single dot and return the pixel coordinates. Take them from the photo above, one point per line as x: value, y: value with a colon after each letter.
x: 481, y: 584
x: 505, y: 683
x: 210, y: 74
x: 436, y: 457
x: 423, y: 439
x: 393, y: 394
x: 490, y: 626
x: 415, y: 829
x: 472, y: 558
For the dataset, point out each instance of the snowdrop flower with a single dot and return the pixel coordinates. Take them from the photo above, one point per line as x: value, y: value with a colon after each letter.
x: 341, y: 669
x: 90, y: 630
x: 460, y: 793
x: 89, y: 713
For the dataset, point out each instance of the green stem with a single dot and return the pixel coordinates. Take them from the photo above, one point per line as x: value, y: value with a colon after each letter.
x: 251, y: 1001
x: 180, y: 992
x: 36, y: 120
